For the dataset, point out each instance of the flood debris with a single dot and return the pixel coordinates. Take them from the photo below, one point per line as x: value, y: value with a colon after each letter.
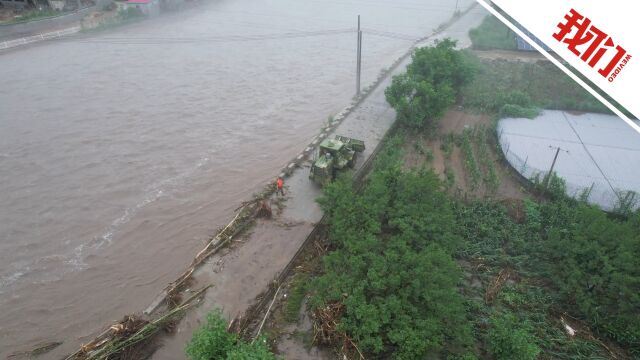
x: 125, y: 339
x: 325, y: 328
x: 264, y: 210
x: 570, y: 331
x: 494, y: 286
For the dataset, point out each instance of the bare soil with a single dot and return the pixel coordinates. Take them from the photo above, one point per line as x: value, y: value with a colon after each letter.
x: 417, y: 146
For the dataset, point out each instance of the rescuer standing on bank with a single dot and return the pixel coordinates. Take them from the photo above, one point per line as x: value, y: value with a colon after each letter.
x: 279, y: 186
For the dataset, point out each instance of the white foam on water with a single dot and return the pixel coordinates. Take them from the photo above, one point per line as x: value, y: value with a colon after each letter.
x: 10, y: 279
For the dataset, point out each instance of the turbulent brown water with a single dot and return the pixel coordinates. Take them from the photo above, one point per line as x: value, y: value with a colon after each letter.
x: 121, y: 152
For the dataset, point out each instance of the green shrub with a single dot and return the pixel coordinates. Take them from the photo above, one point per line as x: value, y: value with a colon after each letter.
x: 593, y: 261
x: 212, y: 341
x: 392, y: 268
x: 509, y: 338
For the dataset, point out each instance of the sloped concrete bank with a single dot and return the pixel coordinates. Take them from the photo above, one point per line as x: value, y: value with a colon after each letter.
x: 241, y: 267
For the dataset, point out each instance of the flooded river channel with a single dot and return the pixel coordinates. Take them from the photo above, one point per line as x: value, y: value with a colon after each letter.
x: 122, y: 151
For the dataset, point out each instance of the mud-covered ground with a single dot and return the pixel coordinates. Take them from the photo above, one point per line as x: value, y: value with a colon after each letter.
x: 417, y: 146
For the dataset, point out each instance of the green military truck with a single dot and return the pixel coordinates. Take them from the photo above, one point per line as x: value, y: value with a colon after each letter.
x: 334, y: 155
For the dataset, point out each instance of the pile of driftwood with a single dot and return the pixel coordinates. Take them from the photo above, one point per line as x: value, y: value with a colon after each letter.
x: 120, y: 340
x: 325, y: 327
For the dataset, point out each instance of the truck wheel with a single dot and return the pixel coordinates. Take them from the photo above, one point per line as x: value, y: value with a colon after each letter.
x: 352, y: 162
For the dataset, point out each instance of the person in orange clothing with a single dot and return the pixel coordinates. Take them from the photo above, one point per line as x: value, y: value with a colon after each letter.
x: 279, y: 186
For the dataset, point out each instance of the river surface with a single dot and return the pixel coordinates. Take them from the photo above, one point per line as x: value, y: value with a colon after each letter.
x: 121, y: 152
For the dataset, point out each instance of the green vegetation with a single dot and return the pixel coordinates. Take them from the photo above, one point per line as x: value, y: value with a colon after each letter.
x: 593, y: 262
x: 429, y: 87
x: 417, y: 273
x: 33, y: 15
x: 492, y: 34
x: 588, y: 259
x: 212, y: 341
x: 509, y: 338
x: 295, y: 298
x: 447, y: 145
x: 392, y: 267
x: 490, y: 177
x: 520, y: 89
x: 469, y: 160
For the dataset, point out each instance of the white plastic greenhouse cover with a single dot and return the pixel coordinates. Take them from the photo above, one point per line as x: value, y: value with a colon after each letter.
x: 597, y: 151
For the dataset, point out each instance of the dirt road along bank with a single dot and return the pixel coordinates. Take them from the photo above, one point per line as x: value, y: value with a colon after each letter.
x: 240, y: 273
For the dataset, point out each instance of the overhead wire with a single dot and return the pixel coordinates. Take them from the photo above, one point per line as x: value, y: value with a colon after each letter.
x: 213, y: 39
x: 129, y: 40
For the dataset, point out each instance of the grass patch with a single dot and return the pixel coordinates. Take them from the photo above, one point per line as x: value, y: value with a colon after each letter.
x: 519, y: 89
x: 32, y: 15
x: 295, y: 298
x: 492, y: 34
x: 212, y: 341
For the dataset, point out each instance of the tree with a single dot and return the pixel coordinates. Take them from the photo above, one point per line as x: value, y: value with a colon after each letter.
x: 430, y: 85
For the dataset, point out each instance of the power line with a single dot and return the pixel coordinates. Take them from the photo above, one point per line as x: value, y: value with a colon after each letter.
x: 189, y: 40
x: 390, y: 35
x: 591, y: 156
x: 237, y: 38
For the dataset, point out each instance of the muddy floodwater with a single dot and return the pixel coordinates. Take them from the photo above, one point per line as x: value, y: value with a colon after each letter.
x: 122, y: 151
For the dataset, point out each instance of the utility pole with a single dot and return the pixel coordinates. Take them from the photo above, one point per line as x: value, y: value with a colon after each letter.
x: 359, y: 58
x: 553, y: 164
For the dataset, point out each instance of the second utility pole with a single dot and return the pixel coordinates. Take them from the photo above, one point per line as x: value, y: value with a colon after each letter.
x: 553, y: 164
x: 359, y: 59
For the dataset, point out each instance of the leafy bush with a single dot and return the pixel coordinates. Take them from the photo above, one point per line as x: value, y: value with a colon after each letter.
x: 392, y: 268
x: 212, y: 341
x: 509, y: 339
x: 422, y: 94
